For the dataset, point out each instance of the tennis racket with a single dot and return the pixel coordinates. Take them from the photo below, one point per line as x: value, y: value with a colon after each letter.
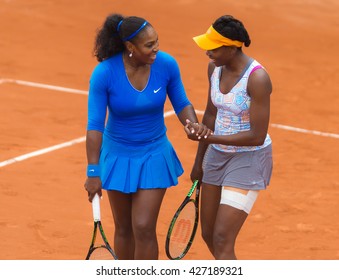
x: 184, y: 225
x: 100, y: 248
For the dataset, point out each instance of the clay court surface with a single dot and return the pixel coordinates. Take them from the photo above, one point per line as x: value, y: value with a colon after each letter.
x: 44, y: 210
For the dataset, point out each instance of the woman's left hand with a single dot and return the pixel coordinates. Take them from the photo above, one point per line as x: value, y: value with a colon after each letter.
x: 197, y: 131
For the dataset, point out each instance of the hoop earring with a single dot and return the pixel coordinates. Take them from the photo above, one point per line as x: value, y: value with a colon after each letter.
x: 130, y: 54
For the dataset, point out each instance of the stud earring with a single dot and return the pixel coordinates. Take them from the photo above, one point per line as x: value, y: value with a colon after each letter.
x: 130, y: 54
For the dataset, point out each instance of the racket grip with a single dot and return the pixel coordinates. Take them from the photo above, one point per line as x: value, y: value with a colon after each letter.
x: 96, y: 207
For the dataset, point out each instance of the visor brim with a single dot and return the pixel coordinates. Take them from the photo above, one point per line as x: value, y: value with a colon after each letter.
x: 205, y: 43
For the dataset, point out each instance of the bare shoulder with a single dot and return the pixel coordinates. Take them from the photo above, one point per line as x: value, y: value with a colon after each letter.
x: 260, y: 80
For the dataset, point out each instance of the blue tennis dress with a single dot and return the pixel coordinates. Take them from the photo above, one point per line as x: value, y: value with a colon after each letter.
x: 135, y: 153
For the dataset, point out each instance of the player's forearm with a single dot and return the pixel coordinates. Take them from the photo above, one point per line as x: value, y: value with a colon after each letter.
x: 202, y: 147
x: 93, y: 146
x: 245, y: 138
x: 208, y: 120
x: 187, y: 113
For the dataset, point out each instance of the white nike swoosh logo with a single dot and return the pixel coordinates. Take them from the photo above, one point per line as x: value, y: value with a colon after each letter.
x: 91, y: 170
x: 156, y: 90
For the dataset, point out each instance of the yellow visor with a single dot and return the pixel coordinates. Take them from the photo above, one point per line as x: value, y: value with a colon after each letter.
x: 213, y: 40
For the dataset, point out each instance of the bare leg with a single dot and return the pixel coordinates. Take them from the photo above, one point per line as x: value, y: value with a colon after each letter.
x: 121, y: 205
x: 210, y: 199
x: 145, y: 211
x: 227, y: 226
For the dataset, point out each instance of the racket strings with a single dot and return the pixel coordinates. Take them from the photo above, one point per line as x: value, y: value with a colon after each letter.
x: 101, y: 253
x: 182, y: 230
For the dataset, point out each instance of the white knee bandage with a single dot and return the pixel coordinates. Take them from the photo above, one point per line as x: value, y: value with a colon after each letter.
x: 239, y: 200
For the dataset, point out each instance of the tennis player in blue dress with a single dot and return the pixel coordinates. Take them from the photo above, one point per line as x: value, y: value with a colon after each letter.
x: 128, y: 151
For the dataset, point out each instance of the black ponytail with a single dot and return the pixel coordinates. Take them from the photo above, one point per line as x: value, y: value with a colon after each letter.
x: 108, y: 41
x: 115, y: 30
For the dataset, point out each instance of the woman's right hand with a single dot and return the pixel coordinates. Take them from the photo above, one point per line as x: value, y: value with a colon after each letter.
x: 93, y: 186
x: 197, y: 131
x: 197, y: 172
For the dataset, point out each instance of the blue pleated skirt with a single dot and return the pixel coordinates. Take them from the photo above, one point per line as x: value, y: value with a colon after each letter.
x: 127, y: 168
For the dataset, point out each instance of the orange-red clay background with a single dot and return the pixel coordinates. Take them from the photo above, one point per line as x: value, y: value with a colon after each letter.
x: 44, y: 212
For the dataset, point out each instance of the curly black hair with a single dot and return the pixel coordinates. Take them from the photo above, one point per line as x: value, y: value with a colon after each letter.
x: 232, y: 28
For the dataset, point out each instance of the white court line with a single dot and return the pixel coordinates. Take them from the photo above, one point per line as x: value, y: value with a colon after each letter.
x: 306, y: 131
x: 43, y: 151
x: 82, y: 139
x: 56, y: 147
x: 38, y: 85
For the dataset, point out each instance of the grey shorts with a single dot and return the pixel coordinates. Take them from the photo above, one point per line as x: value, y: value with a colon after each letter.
x: 245, y: 170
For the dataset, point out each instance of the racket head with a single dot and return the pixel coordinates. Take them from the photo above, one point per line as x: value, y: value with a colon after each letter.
x: 100, y: 252
x: 100, y: 248
x: 182, y: 230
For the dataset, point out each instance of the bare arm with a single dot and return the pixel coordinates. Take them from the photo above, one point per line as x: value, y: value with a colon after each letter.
x: 188, y: 113
x: 93, y: 146
x: 209, y: 121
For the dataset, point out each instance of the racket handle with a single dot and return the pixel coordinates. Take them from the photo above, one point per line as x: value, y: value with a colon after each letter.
x: 96, y: 207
